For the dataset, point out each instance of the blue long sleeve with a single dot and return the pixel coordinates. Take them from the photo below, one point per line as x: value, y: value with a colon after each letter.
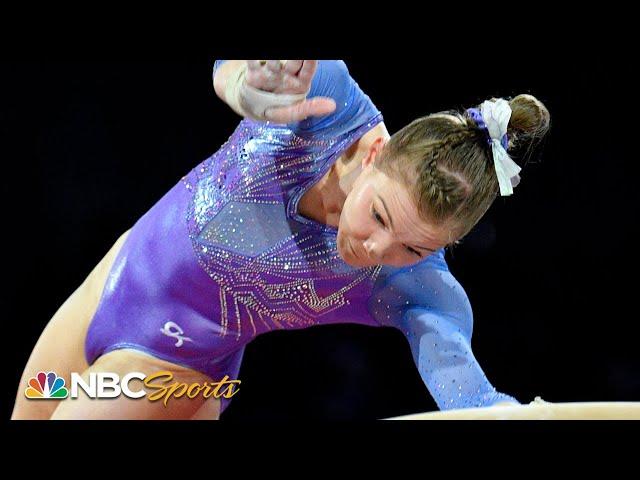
x: 353, y: 107
x: 433, y: 311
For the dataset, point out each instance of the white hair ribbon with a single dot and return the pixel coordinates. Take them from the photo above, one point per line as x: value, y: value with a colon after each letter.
x: 496, y: 116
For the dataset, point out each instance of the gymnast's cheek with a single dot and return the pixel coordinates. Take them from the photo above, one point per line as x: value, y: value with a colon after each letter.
x: 355, y: 216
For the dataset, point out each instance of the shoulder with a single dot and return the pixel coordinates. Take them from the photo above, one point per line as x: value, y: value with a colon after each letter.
x: 428, y: 286
x: 396, y: 286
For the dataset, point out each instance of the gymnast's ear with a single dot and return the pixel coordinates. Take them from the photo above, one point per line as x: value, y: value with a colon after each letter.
x: 373, y: 152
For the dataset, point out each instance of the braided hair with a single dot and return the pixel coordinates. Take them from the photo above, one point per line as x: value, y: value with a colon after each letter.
x: 447, y: 161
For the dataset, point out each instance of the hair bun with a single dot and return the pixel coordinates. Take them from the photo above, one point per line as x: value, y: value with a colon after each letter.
x: 529, y: 121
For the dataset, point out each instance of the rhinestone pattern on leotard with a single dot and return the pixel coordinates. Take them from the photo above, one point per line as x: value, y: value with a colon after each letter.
x: 275, y: 268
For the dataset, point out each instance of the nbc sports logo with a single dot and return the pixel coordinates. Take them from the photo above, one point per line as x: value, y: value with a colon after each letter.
x: 46, y: 386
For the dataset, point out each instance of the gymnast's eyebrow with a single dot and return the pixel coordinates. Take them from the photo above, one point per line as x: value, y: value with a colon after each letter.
x: 391, y: 221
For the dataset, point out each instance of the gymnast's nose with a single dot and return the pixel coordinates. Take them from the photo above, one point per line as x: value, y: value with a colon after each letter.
x: 377, y: 247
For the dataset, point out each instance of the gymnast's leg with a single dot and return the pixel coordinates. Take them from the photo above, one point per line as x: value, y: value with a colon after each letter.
x: 60, y: 347
x: 123, y: 362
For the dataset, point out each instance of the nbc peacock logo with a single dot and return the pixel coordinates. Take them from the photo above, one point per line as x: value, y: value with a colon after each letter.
x: 46, y: 386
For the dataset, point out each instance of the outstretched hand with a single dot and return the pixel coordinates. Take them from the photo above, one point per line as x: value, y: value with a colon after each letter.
x: 288, y: 77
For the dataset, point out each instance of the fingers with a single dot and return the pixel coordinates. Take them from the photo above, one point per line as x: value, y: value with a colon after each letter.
x: 308, y: 71
x: 294, y: 76
x: 292, y: 67
x: 274, y: 66
x: 314, y: 107
x: 254, y: 64
x: 266, y: 66
x: 261, y: 76
x: 288, y: 77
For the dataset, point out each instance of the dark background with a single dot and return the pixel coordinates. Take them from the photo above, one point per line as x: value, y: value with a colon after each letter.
x: 88, y: 147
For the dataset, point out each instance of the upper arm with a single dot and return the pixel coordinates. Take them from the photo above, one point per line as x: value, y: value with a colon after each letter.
x: 430, y: 307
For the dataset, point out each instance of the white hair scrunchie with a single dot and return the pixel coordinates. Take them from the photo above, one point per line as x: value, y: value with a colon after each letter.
x: 496, y: 116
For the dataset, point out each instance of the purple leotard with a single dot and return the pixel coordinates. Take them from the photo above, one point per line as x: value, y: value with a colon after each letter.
x: 224, y: 256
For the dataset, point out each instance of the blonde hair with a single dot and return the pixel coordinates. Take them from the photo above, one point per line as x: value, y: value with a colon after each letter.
x: 449, y: 165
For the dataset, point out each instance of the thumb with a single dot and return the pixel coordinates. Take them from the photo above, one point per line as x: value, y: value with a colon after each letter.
x: 315, y: 107
x: 319, y: 106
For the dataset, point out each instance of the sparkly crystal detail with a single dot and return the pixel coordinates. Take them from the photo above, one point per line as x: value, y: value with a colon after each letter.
x: 274, y: 267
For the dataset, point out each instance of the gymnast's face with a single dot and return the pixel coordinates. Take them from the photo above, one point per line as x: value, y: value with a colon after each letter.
x: 379, y: 223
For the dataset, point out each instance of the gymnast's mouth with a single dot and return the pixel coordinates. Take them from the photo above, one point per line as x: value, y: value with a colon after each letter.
x: 353, y: 252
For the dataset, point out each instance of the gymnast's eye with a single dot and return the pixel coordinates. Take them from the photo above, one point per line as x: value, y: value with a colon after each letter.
x: 378, y: 218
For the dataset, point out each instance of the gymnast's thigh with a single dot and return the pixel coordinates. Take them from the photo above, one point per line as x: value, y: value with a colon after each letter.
x: 60, y: 347
x: 125, y: 361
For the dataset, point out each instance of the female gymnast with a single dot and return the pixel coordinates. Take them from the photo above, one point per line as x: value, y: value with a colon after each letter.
x: 310, y: 214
